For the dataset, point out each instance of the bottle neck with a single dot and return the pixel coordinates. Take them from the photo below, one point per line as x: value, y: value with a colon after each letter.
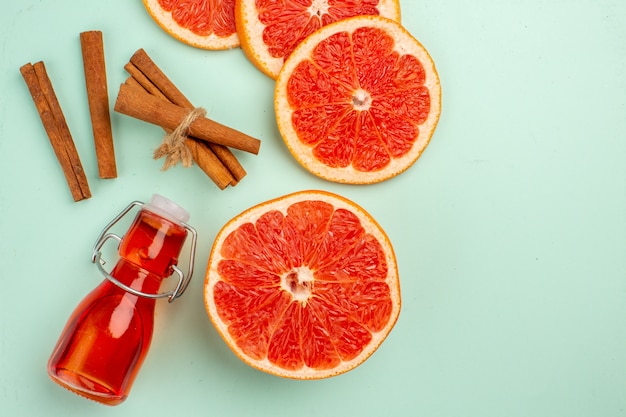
x: 153, y: 243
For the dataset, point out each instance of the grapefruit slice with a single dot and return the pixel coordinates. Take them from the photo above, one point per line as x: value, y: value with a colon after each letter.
x: 270, y: 30
x: 206, y: 24
x: 304, y: 286
x: 358, y: 100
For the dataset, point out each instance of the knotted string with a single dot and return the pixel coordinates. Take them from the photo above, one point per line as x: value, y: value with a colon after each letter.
x: 173, y: 147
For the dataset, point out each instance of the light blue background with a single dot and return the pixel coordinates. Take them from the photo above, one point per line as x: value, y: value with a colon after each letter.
x: 510, y: 231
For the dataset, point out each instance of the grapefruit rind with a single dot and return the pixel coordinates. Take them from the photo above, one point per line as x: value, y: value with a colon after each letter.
x: 405, y: 43
x: 250, y: 30
x: 211, y: 42
x: 282, y: 203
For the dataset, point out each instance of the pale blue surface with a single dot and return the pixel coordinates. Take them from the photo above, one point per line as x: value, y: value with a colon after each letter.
x: 510, y: 231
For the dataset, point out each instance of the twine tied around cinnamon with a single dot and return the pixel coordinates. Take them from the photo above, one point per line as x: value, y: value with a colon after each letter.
x: 173, y: 147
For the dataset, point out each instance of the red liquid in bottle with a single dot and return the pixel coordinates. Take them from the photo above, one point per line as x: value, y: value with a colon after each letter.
x: 108, y: 335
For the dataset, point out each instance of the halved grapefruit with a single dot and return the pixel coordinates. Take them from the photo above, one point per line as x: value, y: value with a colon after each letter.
x: 304, y: 286
x: 206, y: 24
x: 358, y: 100
x: 270, y: 30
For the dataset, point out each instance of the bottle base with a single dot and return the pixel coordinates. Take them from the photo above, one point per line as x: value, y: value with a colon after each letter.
x: 86, y: 387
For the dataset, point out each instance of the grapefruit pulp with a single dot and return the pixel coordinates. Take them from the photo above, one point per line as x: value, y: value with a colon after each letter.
x: 206, y: 24
x: 358, y: 100
x: 269, y: 30
x: 304, y: 286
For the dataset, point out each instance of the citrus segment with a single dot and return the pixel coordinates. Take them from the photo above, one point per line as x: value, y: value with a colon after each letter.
x: 304, y: 286
x: 207, y: 24
x: 269, y: 30
x: 358, y: 100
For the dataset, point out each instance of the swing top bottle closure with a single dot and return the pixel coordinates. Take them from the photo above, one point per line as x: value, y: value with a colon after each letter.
x: 107, y: 336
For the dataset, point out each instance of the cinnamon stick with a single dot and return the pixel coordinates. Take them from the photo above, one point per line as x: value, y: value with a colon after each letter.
x: 92, y: 48
x: 145, y: 82
x: 144, y: 106
x: 230, y: 161
x: 208, y: 161
x: 154, y: 80
x: 55, y: 125
x: 144, y: 63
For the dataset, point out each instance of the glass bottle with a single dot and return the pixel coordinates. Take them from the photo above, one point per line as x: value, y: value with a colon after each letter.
x: 108, y: 334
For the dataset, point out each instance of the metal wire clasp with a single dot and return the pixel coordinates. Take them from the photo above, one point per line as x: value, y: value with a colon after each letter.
x: 183, y: 281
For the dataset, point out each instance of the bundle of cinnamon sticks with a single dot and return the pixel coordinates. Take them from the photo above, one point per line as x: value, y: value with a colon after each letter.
x: 149, y: 95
